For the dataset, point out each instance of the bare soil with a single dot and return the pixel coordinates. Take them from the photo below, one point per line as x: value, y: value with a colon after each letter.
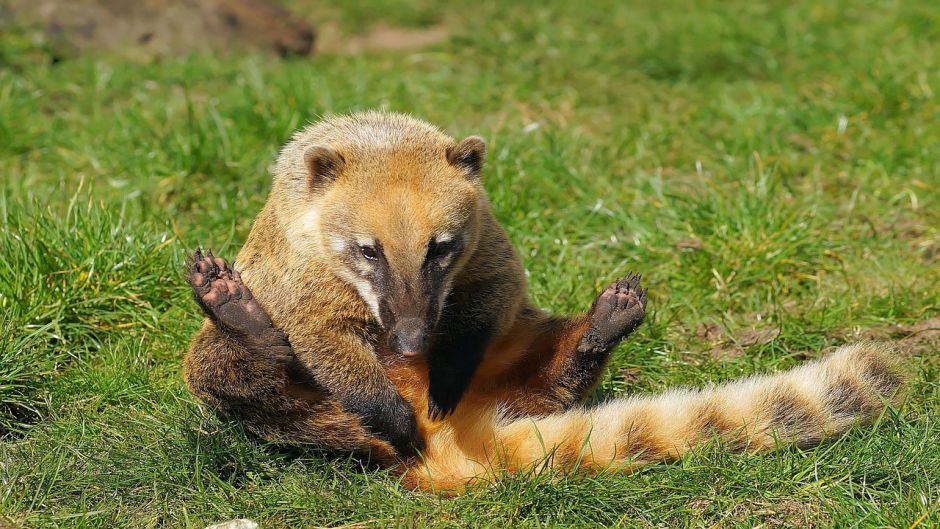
x: 153, y: 28
x: 159, y: 27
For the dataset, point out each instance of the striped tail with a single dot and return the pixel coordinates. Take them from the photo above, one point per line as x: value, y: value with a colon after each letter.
x: 803, y: 406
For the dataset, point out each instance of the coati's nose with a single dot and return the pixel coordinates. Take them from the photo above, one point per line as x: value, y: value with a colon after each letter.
x: 409, y: 338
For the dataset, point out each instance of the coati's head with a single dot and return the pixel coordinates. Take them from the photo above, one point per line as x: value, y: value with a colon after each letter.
x: 393, y: 206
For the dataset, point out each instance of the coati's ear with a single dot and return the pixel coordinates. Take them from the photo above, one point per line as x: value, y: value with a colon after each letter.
x: 324, y: 164
x: 468, y: 155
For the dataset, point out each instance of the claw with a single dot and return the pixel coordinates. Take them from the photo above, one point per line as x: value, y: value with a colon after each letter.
x: 436, y: 413
x: 213, y: 268
x: 630, y: 281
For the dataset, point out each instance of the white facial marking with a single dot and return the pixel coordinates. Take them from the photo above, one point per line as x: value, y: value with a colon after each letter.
x: 365, y: 241
x: 445, y: 291
x: 337, y: 243
x: 365, y: 292
x: 443, y: 238
x: 303, y: 228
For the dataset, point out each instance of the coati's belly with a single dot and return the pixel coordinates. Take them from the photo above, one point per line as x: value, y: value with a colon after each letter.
x: 487, y: 390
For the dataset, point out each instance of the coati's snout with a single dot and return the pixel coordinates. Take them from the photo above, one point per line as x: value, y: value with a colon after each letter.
x: 409, y: 337
x: 407, y: 286
x: 409, y: 305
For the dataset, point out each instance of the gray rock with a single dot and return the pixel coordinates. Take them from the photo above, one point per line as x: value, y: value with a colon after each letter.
x: 241, y: 523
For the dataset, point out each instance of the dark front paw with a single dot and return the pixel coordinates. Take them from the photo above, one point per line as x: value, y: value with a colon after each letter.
x: 616, y: 313
x: 406, y: 438
x: 394, y: 421
x: 440, y: 408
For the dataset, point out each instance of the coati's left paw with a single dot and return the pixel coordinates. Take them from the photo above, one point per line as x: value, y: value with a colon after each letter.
x: 616, y: 313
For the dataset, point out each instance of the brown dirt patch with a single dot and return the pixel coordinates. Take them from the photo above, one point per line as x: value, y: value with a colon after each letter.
x: 785, y: 512
x: 914, y: 339
x: 160, y: 27
x: 725, y: 346
x: 630, y: 375
x: 690, y: 244
x: 754, y: 336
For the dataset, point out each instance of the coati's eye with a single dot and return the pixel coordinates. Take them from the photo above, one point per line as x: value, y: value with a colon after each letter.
x: 436, y: 250
x: 369, y: 252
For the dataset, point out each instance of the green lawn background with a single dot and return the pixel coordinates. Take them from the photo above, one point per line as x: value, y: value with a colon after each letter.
x: 772, y: 168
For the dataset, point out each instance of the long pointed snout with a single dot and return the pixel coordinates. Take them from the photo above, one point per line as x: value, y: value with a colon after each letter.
x: 409, y: 337
x: 408, y: 299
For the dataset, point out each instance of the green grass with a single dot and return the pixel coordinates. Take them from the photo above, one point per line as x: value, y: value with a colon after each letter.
x: 765, y: 165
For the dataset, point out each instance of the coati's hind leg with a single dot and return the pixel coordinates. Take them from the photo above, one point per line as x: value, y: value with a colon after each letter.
x: 223, y: 297
x: 615, y: 314
x: 567, y: 356
x: 244, y: 368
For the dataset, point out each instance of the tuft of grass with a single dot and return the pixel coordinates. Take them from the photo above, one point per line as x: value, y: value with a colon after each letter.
x: 23, y: 364
x: 69, y: 283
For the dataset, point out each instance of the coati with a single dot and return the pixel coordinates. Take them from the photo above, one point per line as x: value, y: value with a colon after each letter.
x: 378, y: 307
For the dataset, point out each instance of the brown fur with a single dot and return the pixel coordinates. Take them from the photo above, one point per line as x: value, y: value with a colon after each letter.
x: 401, y: 181
x: 273, y: 403
x: 391, y: 178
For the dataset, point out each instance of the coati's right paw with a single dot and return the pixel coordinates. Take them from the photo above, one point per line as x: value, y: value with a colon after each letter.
x: 405, y: 436
x: 393, y: 420
x: 616, y: 313
x: 220, y: 293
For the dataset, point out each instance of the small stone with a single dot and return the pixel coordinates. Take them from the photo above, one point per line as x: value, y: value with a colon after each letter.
x: 241, y: 523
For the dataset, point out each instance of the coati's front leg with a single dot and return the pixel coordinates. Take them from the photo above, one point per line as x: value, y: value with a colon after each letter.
x: 366, y: 390
x: 246, y: 367
x: 469, y: 324
x: 566, y: 357
x: 452, y: 363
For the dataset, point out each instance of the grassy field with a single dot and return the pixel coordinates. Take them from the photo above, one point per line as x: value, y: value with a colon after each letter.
x: 772, y: 168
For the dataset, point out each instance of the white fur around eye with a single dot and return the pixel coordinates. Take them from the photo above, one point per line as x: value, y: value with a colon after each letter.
x: 337, y: 243
x: 365, y: 241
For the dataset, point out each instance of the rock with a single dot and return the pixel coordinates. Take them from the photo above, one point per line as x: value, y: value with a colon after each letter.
x: 241, y: 523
